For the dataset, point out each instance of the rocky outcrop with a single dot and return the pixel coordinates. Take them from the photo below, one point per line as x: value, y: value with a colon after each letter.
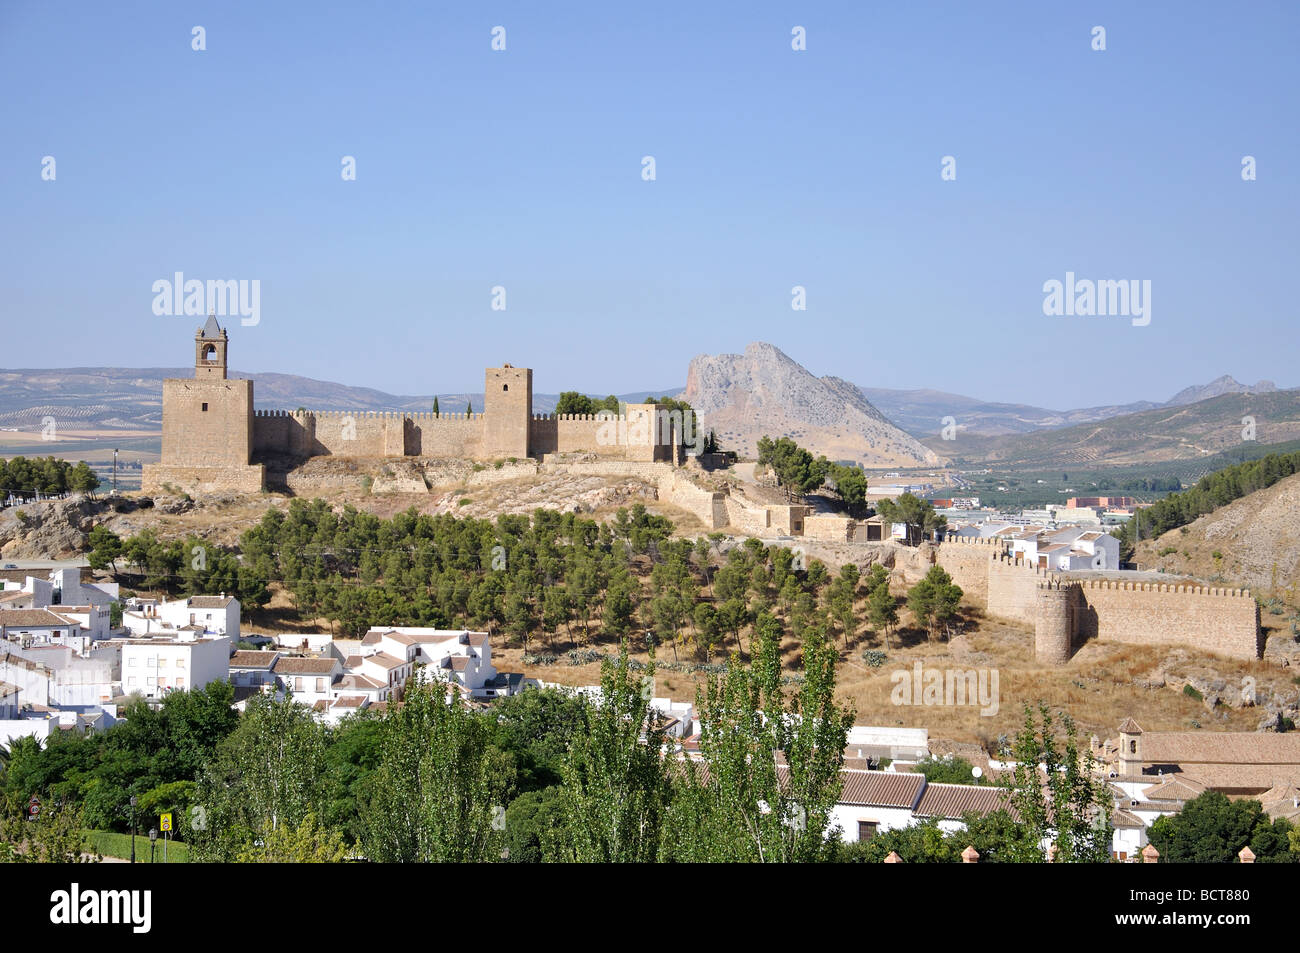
x: 763, y: 392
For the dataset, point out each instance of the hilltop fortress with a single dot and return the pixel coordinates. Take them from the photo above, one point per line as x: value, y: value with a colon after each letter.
x: 213, y: 438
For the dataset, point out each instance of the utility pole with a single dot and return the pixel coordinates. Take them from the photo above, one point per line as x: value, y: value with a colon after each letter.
x: 133, y: 828
x: 115, y: 473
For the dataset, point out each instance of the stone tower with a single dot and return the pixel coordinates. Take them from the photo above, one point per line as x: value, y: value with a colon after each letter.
x: 1054, y: 625
x: 507, y: 410
x: 207, y: 438
x: 210, y: 351
x: 1130, y: 747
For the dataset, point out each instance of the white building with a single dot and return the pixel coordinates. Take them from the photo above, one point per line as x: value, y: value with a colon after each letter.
x: 27, y: 627
x: 153, y: 666
x: 311, y: 680
x: 458, y: 655
x: 208, y: 615
x: 251, y: 669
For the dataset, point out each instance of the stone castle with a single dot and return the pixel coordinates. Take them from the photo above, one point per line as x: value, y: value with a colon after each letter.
x: 213, y: 438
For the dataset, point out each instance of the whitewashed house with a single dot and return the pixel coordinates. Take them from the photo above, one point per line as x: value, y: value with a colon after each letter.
x: 154, y: 666
x: 311, y: 680
x: 208, y: 615
x: 27, y: 627
x: 458, y: 655
x: 253, y: 670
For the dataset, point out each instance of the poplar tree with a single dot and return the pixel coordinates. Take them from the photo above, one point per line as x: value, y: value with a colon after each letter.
x: 439, y: 792
x: 616, y: 788
x: 1054, y: 795
x: 769, y: 774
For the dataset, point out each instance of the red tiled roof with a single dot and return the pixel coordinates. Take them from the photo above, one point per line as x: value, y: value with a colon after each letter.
x: 247, y: 658
x: 953, y: 801
x: 287, y: 665
x: 32, y: 617
x: 881, y: 788
x: 209, y: 602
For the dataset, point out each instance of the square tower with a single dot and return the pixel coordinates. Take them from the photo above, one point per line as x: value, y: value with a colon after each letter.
x: 208, y: 421
x: 507, y: 410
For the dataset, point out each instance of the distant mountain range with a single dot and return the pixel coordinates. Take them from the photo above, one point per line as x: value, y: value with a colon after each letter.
x: 743, y: 397
x: 921, y: 412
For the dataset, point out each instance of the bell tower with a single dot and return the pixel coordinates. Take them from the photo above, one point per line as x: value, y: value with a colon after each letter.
x: 210, y: 351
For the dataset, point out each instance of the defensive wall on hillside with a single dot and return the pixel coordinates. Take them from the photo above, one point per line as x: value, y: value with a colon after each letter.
x: 1069, y: 609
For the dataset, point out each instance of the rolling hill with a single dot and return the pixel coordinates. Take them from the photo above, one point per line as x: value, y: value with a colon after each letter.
x: 1183, y: 432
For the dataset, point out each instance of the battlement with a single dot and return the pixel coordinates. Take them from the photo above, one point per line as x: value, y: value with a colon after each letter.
x: 605, y: 417
x: 1010, y: 561
x: 985, y: 541
x: 1188, y: 589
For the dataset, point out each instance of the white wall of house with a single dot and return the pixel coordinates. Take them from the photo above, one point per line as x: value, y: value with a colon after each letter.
x: 166, y: 618
x: 152, y: 666
x: 847, y: 817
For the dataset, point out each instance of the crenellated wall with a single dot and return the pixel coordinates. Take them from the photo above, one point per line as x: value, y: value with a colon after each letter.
x: 1067, y: 610
x: 1213, y: 619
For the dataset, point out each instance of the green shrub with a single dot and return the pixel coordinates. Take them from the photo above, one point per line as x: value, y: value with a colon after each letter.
x: 874, y: 658
x: 1191, y: 692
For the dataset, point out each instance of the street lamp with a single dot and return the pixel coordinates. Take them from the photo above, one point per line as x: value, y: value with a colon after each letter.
x: 133, y: 828
x: 153, y: 842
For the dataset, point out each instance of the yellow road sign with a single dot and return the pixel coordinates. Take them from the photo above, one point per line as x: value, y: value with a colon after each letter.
x: 165, y: 822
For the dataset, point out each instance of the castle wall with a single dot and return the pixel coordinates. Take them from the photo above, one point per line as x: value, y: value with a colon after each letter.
x: 707, y: 505
x: 833, y: 528
x: 968, y: 562
x: 754, y: 520
x: 447, y: 435
x: 1013, y: 588
x: 159, y: 477
x: 1222, y: 621
x: 356, y: 434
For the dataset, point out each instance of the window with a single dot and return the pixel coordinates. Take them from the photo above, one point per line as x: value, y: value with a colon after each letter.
x: 505, y: 387
x: 866, y: 830
x: 180, y: 662
x: 132, y: 662
x: 204, y: 407
x: 320, y: 684
x: 150, y: 680
x: 180, y: 683
x: 297, y: 683
x: 131, y: 681
x: 162, y: 663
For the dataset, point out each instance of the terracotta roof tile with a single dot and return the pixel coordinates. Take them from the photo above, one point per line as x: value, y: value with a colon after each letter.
x: 953, y: 801
x: 881, y: 788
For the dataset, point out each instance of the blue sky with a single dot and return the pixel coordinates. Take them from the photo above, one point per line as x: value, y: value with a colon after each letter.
x: 775, y: 168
